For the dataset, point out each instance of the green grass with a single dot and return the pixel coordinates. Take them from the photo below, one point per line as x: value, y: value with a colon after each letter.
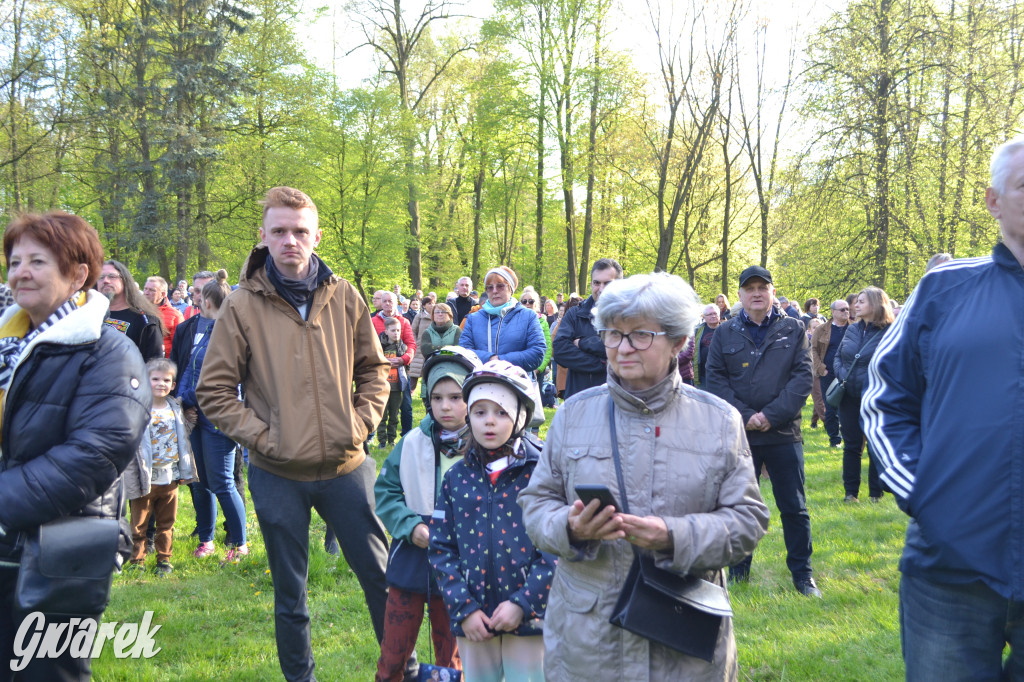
x: 217, y: 623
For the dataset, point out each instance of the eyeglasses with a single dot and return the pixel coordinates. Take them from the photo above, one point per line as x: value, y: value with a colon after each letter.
x: 527, y: 301
x: 639, y: 339
x: 109, y: 275
x: 496, y: 287
x: 842, y: 310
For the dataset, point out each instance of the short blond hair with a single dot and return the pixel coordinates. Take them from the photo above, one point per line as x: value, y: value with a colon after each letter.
x: 287, y: 197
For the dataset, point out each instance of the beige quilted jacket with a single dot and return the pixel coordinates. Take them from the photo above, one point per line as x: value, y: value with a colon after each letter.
x: 685, y: 458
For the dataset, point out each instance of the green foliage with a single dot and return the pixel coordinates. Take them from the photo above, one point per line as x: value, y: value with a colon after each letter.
x: 163, y: 122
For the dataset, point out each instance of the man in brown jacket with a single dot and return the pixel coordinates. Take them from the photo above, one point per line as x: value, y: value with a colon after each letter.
x: 825, y: 342
x: 299, y: 340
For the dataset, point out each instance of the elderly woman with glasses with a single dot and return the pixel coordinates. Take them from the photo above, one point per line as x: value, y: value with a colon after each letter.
x: 689, y: 485
x: 504, y: 329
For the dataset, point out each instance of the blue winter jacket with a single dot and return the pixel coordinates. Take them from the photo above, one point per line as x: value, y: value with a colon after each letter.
x: 944, y: 411
x: 479, y: 548
x: 516, y: 336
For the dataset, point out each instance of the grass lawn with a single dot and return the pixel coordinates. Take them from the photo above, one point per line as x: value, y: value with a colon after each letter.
x: 217, y: 623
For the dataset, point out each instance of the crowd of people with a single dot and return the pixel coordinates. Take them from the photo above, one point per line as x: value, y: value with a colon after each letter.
x: 526, y: 554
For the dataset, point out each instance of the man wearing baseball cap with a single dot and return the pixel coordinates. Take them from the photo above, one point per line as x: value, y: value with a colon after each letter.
x: 759, y: 361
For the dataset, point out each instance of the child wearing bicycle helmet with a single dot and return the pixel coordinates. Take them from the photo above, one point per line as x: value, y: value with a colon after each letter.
x: 495, y: 583
x: 405, y: 492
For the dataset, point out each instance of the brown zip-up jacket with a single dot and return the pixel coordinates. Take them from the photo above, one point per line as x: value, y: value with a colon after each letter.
x: 314, y: 389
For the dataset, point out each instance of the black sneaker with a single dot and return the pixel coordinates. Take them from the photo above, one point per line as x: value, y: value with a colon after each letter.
x: 163, y: 568
x: 807, y: 587
x: 150, y: 546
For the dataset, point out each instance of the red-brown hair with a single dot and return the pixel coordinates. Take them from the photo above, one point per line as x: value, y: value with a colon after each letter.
x: 71, y: 239
x: 287, y: 197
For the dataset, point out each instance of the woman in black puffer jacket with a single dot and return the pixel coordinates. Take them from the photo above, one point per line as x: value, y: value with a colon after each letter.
x: 874, y: 315
x: 76, y: 401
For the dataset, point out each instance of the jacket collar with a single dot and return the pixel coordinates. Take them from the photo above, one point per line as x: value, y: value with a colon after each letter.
x: 587, y: 307
x: 82, y: 325
x: 654, y: 399
x: 1003, y: 257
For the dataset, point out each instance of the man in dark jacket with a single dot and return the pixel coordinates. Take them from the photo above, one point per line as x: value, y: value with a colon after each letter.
x: 577, y: 347
x: 702, y: 343
x: 759, y: 362
x: 943, y: 413
x: 462, y: 303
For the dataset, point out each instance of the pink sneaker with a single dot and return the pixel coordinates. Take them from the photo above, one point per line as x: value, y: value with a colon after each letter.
x: 204, y: 549
x: 235, y: 554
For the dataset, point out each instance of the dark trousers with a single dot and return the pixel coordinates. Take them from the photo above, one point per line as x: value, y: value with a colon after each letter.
x: 958, y: 633
x: 65, y: 668
x: 406, y: 409
x: 402, y: 628
x: 387, y: 430
x: 853, y: 449
x: 283, y: 511
x: 832, y: 418
x: 785, y: 465
x: 161, y: 505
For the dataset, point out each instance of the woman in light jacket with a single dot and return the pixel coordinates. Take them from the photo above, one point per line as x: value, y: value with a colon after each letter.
x: 690, y: 487
x: 874, y: 315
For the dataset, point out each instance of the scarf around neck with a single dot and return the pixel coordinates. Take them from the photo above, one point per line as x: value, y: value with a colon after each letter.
x: 499, y: 311
x: 17, y: 335
x: 298, y: 292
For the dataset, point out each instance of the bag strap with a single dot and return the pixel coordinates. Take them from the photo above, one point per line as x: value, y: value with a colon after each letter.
x: 615, y: 456
x: 856, y: 358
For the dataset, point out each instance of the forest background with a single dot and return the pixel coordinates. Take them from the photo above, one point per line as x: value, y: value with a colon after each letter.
x: 840, y: 147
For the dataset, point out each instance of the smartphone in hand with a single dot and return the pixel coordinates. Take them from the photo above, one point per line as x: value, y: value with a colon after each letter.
x: 587, y: 493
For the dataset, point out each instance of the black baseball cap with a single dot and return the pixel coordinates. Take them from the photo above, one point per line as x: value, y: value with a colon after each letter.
x: 755, y: 271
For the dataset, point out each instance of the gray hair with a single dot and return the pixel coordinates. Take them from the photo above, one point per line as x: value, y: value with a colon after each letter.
x: 384, y: 293
x: 937, y: 259
x: 659, y: 297
x: 836, y: 302
x: 999, y: 168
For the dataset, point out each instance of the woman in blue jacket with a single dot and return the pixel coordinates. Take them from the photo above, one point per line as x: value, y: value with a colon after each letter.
x: 503, y: 329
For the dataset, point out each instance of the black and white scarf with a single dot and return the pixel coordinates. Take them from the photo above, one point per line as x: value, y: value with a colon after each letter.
x: 12, y: 347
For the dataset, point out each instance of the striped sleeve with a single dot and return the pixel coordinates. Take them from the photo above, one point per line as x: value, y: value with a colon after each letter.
x: 891, y: 404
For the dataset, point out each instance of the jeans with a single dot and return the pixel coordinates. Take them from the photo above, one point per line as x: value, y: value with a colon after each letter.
x: 832, y: 418
x: 853, y: 449
x: 957, y: 633
x: 785, y: 464
x: 214, y: 455
x: 283, y: 510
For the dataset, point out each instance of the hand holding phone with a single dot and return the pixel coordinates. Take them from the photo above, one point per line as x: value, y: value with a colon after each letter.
x: 586, y: 493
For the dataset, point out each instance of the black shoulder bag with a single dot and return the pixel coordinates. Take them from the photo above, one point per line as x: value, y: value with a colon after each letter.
x: 67, y: 566
x: 684, y: 613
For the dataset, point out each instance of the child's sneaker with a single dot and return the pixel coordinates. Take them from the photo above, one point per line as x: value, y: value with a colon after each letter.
x: 164, y: 568
x: 235, y: 554
x: 204, y: 549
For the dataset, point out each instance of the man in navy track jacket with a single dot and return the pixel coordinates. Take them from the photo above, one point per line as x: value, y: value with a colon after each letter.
x: 944, y: 411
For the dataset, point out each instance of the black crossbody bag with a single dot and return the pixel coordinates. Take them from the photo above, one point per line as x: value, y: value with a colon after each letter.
x: 684, y: 613
x: 67, y: 566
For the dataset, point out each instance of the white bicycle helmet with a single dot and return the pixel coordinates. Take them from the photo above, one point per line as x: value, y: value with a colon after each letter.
x: 512, y: 377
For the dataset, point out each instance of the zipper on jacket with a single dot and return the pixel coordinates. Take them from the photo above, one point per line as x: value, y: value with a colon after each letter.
x: 316, y: 396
